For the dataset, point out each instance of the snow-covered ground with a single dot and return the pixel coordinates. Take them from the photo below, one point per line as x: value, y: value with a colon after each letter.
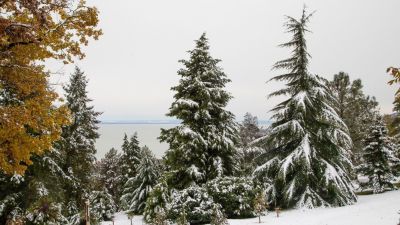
x: 380, y: 209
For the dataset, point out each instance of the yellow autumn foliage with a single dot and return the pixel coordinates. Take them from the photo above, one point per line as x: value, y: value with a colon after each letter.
x: 32, y: 31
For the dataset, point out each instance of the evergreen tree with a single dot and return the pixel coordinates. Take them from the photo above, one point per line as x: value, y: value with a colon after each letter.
x: 110, y: 173
x: 248, y: 132
x: 355, y: 108
x: 218, y: 217
x: 138, y: 188
x: 77, y: 143
x: 378, y: 157
x: 130, y: 158
x: 102, y: 205
x: 307, y: 149
x: 203, y: 146
x: 35, y: 198
x: 157, y: 200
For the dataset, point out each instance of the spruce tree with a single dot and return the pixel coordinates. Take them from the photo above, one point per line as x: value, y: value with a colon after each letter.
x: 130, y: 158
x: 137, y: 189
x: 109, y: 172
x: 77, y: 143
x: 306, y: 157
x: 203, y: 146
x: 378, y: 157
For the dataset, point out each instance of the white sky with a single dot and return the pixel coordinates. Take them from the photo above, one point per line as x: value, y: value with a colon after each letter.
x: 133, y: 65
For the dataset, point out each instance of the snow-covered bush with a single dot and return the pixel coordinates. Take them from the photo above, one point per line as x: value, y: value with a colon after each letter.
x: 195, y: 201
x: 102, y: 206
x: 235, y: 194
x: 157, y: 200
x: 45, y: 211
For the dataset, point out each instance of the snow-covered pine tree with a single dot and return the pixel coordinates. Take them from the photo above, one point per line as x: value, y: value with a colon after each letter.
x: 130, y: 157
x: 307, y: 149
x: 137, y: 189
x: 110, y: 173
x: 378, y: 158
x: 203, y: 146
x: 102, y: 205
x: 157, y: 200
x: 77, y: 143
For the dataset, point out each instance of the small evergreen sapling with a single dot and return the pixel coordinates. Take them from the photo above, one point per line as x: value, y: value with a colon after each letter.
x: 260, y: 205
x: 218, y: 217
x: 160, y: 218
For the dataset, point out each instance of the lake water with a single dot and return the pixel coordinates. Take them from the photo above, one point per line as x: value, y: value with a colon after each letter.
x: 111, y: 135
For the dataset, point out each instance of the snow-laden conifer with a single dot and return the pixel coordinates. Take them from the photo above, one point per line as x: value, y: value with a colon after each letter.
x: 203, y: 146
x: 307, y: 148
x: 137, y: 189
x: 378, y: 157
x: 130, y: 157
x: 77, y: 143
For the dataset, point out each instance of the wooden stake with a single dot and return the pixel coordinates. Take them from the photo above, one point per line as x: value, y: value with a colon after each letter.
x: 87, y: 214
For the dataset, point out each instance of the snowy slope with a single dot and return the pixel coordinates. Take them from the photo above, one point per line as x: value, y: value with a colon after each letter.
x: 381, y: 209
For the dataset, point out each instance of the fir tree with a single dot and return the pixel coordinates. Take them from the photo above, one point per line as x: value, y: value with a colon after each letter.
x: 307, y: 149
x: 378, y: 157
x: 203, y: 146
x: 102, y: 205
x: 157, y: 200
x: 138, y: 188
x: 130, y: 158
x: 77, y: 143
x: 110, y: 173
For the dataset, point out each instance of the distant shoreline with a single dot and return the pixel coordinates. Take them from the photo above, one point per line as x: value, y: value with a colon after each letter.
x: 173, y: 122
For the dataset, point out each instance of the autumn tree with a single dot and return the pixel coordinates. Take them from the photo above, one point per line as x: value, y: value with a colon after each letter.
x: 394, y: 120
x: 32, y: 31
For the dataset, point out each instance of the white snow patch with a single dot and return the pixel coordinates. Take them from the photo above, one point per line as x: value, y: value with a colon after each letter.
x: 369, y: 210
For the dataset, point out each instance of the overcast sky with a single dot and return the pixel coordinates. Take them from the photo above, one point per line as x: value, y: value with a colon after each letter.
x: 133, y: 65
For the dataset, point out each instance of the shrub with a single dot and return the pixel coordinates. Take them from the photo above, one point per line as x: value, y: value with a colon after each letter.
x: 195, y: 201
x: 235, y: 194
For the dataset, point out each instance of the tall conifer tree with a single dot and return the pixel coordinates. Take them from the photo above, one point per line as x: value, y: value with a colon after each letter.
x: 307, y: 149
x: 77, y: 145
x: 203, y: 146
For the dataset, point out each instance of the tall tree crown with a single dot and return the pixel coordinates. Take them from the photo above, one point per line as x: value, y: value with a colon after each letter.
x: 203, y: 146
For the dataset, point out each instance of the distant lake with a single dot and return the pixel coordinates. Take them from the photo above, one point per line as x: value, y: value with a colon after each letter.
x: 111, y: 135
